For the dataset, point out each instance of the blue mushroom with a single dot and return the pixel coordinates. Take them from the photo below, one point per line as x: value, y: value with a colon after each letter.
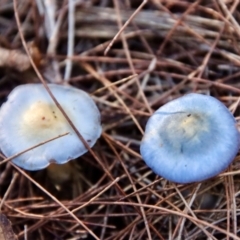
x: 190, y: 139
x: 30, y: 117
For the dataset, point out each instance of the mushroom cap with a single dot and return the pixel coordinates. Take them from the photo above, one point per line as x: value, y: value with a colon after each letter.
x: 30, y: 117
x: 190, y: 139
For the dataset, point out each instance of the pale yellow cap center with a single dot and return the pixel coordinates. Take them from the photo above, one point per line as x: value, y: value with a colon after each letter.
x: 185, y: 127
x: 43, y: 120
x: 191, y: 125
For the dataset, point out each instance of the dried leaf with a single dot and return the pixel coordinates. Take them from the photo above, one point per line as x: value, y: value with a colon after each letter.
x: 6, y: 232
x: 14, y: 59
x: 19, y: 60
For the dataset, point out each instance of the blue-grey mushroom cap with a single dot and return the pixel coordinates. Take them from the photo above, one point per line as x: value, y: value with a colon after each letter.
x: 30, y: 117
x: 190, y: 139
